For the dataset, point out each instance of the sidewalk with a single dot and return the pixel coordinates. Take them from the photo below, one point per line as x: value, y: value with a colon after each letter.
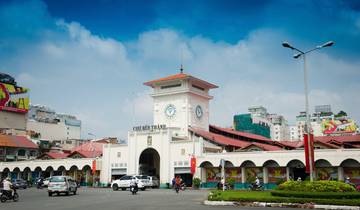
x: 283, y: 205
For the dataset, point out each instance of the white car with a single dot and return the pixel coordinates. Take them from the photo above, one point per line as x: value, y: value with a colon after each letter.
x: 62, y: 184
x: 124, y: 182
x: 154, y: 182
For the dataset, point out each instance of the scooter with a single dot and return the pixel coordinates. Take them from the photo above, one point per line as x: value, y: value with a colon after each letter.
x: 177, y: 188
x: 4, y: 196
x: 256, y: 187
x: 134, y: 188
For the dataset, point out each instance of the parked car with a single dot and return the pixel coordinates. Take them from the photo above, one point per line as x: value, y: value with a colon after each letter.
x: 144, y: 179
x: 20, y: 183
x: 62, y: 184
x: 154, y: 182
x: 124, y: 182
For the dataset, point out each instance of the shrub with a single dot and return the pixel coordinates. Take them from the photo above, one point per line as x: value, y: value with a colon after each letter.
x: 316, y: 186
x: 196, y: 182
x: 231, y: 182
x: 324, y: 195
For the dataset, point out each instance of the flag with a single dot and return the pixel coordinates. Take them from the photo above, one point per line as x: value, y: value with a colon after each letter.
x: 309, y: 152
x: 193, y: 165
x: 93, y: 168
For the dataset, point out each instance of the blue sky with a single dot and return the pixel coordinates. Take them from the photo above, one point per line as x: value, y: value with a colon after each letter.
x: 90, y: 58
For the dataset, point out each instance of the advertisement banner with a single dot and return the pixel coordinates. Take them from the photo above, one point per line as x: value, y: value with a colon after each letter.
x: 353, y: 174
x: 328, y: 173
x: 338, y: 126
x: 233, y: 173
x: 277, y: 174
x: 213, y: 174
x: 14, y: 98
x: 252, y: 173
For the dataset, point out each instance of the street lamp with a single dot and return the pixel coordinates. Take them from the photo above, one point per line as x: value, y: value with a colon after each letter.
x: 307, y: 123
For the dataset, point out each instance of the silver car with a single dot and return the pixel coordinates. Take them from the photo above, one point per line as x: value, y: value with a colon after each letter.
x: 62, y: 184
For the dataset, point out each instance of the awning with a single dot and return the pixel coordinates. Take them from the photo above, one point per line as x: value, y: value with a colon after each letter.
x: 182, y: 170
x: 118, y: 171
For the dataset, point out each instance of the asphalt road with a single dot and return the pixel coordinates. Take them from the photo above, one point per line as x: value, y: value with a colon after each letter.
x: 106, y: 199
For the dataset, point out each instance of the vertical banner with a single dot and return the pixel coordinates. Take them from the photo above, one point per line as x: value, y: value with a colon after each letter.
x: 309, y: 152
x: 193, y: 165
x: 93, y: 168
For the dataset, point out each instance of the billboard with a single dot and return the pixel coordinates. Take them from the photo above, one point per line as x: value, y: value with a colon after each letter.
x: 14, y: 98
x: 338, y: 126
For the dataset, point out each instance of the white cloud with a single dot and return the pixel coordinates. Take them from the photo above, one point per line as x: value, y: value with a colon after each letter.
x: 100, y: 79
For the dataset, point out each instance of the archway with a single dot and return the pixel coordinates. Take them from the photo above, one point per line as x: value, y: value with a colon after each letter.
x: 48, y: 172
x: 351, y: 168
x: 149, y: 162
x: 5, y: 173
x: 297, y: 169
x: 60, y: 171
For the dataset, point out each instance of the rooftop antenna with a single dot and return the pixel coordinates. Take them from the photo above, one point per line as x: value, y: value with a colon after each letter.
x: 181, y: 61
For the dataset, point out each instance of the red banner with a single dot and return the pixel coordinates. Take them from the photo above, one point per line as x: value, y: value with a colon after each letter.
x: 193, y: 165
x: 93, y: 168
x: 309, y: 152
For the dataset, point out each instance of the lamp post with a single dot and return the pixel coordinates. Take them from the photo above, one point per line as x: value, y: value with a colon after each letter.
x: 307, y: 122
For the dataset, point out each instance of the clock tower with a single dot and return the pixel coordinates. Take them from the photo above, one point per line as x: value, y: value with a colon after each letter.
x: 180, y: 101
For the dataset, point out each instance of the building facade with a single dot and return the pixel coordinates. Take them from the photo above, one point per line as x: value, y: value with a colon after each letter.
x: 52, y: 126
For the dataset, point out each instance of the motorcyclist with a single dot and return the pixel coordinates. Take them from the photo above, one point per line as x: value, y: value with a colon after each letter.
x: 177, y: 183
x: 7, y: 187
x: 40, y: 183
x: 133, y: 183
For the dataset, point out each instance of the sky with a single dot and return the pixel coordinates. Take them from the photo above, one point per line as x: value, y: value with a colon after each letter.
x: 90, y: 58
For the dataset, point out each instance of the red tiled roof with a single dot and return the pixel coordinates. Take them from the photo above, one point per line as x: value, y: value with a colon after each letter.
x: 293, y: 144
x: 55, y: 155
x: 89, y: 149
x: 179, y: 76
x: 17, y: 141
x: 265, y: 147
x: 241, y: 134
x: 223, y: 140
x: 87, y: 154
x: 352, y: 138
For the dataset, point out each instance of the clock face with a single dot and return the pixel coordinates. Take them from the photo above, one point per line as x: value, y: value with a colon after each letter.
x: 170, y: 110
x: 198, y: 111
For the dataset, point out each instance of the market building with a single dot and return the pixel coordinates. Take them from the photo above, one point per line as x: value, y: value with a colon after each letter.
x: 181, y: 131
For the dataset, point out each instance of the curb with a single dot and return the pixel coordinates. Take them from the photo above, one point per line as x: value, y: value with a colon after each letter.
x: 283, y: 205
x: 219, y: 203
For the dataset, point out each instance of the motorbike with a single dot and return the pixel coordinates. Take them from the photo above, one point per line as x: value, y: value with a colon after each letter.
x: 177, y: 188
x: 5, y: 196
x: 183, y: 186
x: 134, y: 188
x: 256, y: 187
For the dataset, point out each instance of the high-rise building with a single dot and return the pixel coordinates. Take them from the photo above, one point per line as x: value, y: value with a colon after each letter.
x: 52, y: 126
x: 260, y: 122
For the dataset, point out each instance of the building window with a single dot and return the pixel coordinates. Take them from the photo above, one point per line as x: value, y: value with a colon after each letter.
x: 119, y: 154
x: 170, y: 86
x: 182, y: 151
x: 149, y: 140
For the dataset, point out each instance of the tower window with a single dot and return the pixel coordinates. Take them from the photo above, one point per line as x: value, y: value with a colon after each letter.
x: 170, y: 86
x: 198, y: 87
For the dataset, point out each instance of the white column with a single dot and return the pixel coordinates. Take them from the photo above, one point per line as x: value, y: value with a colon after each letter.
x: 340, y: 173
x: 265, y: 174
x: 243, y: 175
x: 287, y: 173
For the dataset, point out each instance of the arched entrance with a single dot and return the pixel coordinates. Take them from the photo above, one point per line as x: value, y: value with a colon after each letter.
x: 149, y: 162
